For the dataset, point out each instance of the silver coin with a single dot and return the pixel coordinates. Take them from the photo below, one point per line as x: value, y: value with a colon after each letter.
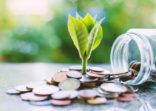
x: 22, y: 88
x: 45, y: 90
x: 61, y: 95
x: 74, y: 74
x: 87, y: 93
x: 64, y: 70
x: 13, y: 92
x: 41, y: 103
x: 31, y: 97
x: 113, y: 87
x: 85, y: 79
x: 69, y: 84
x: 75, y: 68
x: 32, y: 85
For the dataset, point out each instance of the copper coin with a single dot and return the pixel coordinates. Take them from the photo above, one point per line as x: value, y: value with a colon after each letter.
x: 31, y: 97
x: 87, y: 93
x: 69, y: 84
x: 74, y: 74
x: 113, y: 87
x: 13, y: 92
x: 96, y: 69
x: 22, y: 88
x: 130, y: 94
x: 32, y: 85
x: 105, y: 72
x: 98, y: 100
x: 41, y: 103
x: 61, y: 95
x: 61, y: 102
x: 45, y: 90
x: 59, y: 76
x: 125, y: 98
x: 90, y: 74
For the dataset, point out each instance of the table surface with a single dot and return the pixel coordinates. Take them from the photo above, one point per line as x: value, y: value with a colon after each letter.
x: 15, y: 74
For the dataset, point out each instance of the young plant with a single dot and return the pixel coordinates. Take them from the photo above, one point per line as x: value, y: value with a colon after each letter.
x: 86, y: 34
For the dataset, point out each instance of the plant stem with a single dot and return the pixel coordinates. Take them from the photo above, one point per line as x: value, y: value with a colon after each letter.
x: 84, y: 65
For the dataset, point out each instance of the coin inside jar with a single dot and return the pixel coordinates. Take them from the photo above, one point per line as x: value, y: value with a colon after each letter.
x: 69, y: 84
x: 61, y: 102
x: 45, y: 90
x: 98, y: 100
x: 59, y: 76
x: 113, y: 87
x: 74, y: 74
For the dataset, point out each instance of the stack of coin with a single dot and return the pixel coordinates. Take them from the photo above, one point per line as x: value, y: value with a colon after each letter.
x: 68, y: 85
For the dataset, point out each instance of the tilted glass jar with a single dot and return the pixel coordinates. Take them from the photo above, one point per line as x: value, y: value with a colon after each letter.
x: 138, y: 45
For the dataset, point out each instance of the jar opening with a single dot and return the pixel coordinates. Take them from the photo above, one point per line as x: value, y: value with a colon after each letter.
x: 127, y: 48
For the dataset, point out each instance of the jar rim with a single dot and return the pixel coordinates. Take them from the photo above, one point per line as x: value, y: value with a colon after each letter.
x: 119, y: 56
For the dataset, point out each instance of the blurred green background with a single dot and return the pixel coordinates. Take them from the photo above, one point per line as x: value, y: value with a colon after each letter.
x: 36, y: 30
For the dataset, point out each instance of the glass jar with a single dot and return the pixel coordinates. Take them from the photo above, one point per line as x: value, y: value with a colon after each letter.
x: 135, y: 45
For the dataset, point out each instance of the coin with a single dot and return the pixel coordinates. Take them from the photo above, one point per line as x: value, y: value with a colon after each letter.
x: 130, y: 94
x: 87, y: 93
x: 41, y: 103
x: 74, y: 74
x: 69, y: 84
x: 61, y: 95
x: 91, y: 74
x: 113, y: 87
x: 98, y: 100
x: 31, y: 97
x: 32, y: 85
x: 73, y: 94
x: 105, y: 72
x: 96, y: 69
x: 108, y: 95
x: 45, y: 90
x: 22, y: 88
x: 61, y: 102
x: 75, y: 68
x: 64, y: 69
x: 126, y: 97
x: 59, y: 76
x: 87, y: 80
x: 13, y: 92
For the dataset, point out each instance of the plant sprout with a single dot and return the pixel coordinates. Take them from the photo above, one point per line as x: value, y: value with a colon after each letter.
x: 86, y: 34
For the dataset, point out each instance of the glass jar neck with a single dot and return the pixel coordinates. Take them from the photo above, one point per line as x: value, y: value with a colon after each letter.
x: 120, y: 56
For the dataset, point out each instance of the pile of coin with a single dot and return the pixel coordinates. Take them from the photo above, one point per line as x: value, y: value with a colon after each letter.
x: 68, y: 86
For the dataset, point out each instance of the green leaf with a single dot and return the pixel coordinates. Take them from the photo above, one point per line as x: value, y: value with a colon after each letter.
x: 79, y: 34
x: 98, y: 38
x: 89, y: 22
x: 94, y: 38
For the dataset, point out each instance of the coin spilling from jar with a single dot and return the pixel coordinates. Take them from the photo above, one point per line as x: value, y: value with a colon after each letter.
x: 68, y: 86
